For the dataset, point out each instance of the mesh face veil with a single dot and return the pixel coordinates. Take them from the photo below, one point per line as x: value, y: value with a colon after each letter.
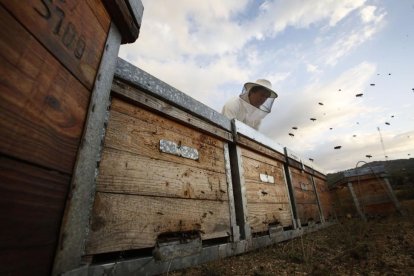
x: 268, y: 103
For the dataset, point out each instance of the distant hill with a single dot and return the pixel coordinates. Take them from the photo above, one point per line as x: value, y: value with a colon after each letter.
x: 400, y: 171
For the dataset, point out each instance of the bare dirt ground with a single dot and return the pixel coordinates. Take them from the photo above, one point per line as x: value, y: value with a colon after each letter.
x: 351, y: 247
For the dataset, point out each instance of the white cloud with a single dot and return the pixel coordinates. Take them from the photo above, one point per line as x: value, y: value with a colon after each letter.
x: 340, y: 111
x: 312, y: 68
x: 208, y: 49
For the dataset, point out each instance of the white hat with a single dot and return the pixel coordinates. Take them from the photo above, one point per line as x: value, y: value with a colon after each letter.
x: 263, y: 83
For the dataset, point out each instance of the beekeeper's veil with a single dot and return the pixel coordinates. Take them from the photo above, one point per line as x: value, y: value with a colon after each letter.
x: 261, y: 112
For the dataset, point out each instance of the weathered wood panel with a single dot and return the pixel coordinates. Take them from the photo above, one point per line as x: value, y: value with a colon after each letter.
x: 308, y: 212
x: 140, y: 132
x: 303, y: 187
x: 27, y: 260
x: 122, y: 222
x: 325, y: 198
x: 259, y: 148
x: 69, y: 30
x: 139, y: 98
x: 304, y: 192
x: 124, y: 20
x: 373, y: 197
x: 266, y: 192
x: 343, y: 201
x: 261, y: 215
x: 267, y: 203
x: 31, y: 205
x: 43, y: 107
x: 256, y: 190
x: 380, y: 209
x: 124, y: 172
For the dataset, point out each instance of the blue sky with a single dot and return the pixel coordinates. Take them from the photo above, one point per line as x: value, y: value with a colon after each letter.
x: 308, y: 50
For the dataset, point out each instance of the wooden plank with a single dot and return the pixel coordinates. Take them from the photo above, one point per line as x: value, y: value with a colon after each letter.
x: 325, y: 197
x: 69, y: 30
x: 246, y: 142
x: 123, y: 222
x: 260, y: 215
x: 308, y: 212
x: 100, y: 13
x: 141, y: 99
x: 302, y: 187
x: 31, y: 204
x: 380, y: 209
x: 124, y: 19
x: 123, y: 172
x: 253, y: 169
x: 266, y: 192
x: 260, y: 158
x: 42, y: 107
x: 26, y: 260
x: 142, y: 136
x: 294, y: 164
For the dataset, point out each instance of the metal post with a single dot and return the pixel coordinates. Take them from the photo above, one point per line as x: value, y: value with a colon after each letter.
x: 392, y: 196
x: 239, y: 189
x: 75, y: 225
x: 356, y: 202
x: 322, y: 217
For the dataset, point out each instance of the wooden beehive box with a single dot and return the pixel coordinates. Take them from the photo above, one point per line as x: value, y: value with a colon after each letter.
x: 324, y: 195
x: 164, y: 171
x: 304, y: 194
x: 343, y: 201
x: 50, y: 53
x: 368, y: 190
x: 264, y: 195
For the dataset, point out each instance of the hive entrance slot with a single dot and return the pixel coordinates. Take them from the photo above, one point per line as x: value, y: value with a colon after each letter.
x: 173, y: 245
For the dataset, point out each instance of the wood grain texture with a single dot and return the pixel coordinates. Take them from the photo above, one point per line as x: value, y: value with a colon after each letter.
x: 140, y: 131
x: 138, y: 98
x: 325, y: 198
x: 124, y: 172
x: 252, y: 145
x: 306, y: 200
x: 343, y: 202
x: 29, y: 261
x: 100, y: 12
x: 371, y: 193
x: 123, y: 222
x: 308, y: 212
x: 302, y: 187
x: 266, y: 192
x: 124, y: 19
x: 261, y: 215
x: 267, y: 203
x: 253, y: 168
x: 70, y: 30
x: 42, y: 106
x: 255, y: 164
x: 380, y: 209
x: 31, y: 204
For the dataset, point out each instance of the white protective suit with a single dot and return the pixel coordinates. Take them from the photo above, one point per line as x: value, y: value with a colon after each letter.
x: 241, y: 109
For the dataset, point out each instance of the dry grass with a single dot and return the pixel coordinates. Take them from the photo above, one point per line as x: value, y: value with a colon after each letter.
x: 351, y: 247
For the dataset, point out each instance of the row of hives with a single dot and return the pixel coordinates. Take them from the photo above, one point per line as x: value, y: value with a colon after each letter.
x: 169, y: 184
x: 168, y: 173
x: 176, y: 177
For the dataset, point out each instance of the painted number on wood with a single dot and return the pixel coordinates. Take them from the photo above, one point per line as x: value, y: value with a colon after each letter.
x: 62, y: 27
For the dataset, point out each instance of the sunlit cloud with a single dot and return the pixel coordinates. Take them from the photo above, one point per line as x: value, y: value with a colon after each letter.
x: 307, y: 49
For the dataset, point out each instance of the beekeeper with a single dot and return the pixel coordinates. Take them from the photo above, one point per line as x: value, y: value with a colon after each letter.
x: 253, y: 104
